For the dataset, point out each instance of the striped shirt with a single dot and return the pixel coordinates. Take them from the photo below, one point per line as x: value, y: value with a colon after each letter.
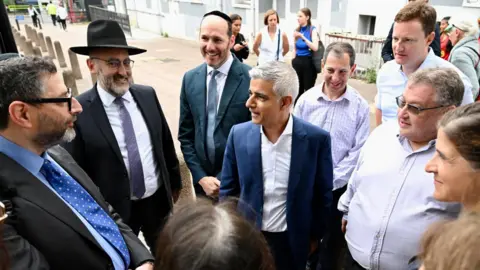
x: 347, y: 121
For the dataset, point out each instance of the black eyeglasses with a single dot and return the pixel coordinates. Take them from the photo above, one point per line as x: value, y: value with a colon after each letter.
x: 414, y: 109
x: 67, y: 99
x: 116, y: 63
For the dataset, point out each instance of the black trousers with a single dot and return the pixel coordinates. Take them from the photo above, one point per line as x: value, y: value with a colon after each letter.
x: 149, y: 215
x: 306, y: 72
x: 54, y: 19
x: 350, y: 263
x: 333, y: 248
x: 280, y: 249
x: 64, y: 24
x: 34, y: 20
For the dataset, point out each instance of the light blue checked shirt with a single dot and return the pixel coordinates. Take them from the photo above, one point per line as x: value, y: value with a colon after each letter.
x: 391, y: 82
x: 347, y: 121
x: 389, y: 201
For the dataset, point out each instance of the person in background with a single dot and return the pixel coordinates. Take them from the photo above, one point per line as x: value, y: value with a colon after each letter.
x: 388, y: 51
x: 33, y: 13
x: 62, y: 16
x: 212, y: 100
x: 413, y: 31
x: 240, y: 48
x: 201, y: 236
x: 384, y: 220
x: 339, y: 109
x: 465, y: 54
x: 456, y: 163
x: 452, y: 244
x: 52, y: 11
x: 280, y: 167
x: 306, y: 41
x: 271, y: 43
x: 445, y: 43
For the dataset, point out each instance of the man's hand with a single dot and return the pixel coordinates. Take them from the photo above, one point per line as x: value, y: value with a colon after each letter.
x: 210, y: 185
x: 344, y: 225
x: 145, y: 266
x: 238, y: 47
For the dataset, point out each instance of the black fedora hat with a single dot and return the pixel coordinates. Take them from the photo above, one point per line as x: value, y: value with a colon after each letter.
x: 105, y: 34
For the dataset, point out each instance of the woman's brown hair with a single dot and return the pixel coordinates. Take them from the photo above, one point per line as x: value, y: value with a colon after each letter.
x: 307, y: 13
x: 452, y: 244
x: 200, y: 236
x: 268, y: 14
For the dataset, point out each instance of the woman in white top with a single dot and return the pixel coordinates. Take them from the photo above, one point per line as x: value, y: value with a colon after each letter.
x: 269, y: 46
x: 62, y: 16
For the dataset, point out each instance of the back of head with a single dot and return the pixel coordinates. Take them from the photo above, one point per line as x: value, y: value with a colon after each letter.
x: 453, y: 244
x: 468, y: 27
x: 418, y: 10
x: 202, y: 236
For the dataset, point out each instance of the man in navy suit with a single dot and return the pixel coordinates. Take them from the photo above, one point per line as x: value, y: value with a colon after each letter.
x: 212, y: 100
x: 280, y: 167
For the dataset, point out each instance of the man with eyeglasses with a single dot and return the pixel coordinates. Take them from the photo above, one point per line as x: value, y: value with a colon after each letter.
x: 413, y: 32
x: 123, y: 140
x: 59, y: 218
x: 388, y: 203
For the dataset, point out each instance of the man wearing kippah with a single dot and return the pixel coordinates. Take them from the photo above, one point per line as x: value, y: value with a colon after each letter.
x: 212, y: 100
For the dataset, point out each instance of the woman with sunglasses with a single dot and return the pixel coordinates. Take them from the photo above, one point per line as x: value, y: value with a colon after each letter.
x: 465, y: 54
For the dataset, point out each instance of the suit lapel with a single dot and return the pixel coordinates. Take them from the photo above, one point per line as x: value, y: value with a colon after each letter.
x: 30, y: 188
x: 254, y: 151
x: 148, y: 112
x: 232, y: 83
x: 299, y: 148
x: 101, y: 119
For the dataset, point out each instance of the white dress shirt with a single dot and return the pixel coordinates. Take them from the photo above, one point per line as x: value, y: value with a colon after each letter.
x: 145, y: 147
x: 389, y: 201
x: 221, y: 78
x: 276, y: 159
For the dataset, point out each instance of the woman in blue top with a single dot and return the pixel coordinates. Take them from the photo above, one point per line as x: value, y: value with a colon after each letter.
x: 306, y: 41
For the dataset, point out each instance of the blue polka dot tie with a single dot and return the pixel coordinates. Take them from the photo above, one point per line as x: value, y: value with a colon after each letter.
x: 75, y: 195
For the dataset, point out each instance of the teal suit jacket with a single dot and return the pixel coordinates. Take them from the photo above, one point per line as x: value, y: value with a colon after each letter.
x: 192, y: 126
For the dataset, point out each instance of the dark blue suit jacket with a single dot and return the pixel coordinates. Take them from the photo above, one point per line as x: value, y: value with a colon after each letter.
x: 310, y: 182
x: 192, y: 126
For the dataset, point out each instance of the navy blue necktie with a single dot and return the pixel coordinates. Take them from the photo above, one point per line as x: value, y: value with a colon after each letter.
x: 212, y: 115
x: 134, y: 161
x: 77, y: 197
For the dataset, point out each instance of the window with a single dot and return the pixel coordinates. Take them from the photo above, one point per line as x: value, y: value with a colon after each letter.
x: 366, y: 25
x: 242, y: 3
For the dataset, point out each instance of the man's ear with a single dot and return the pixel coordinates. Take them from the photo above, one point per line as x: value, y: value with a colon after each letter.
x: 430, y: 38
x: 20, y: 114
x: 91, y: 65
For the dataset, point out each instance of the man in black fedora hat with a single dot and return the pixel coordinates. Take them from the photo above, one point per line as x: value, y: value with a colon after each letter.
x: 123, y: 140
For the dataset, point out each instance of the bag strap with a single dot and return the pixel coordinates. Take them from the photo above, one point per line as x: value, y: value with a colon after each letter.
x: 478, y: 54
x: 278, y: 44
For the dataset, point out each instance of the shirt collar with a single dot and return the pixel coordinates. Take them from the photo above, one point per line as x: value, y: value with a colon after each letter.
x: 288, y: 128
x: 225, y: 68
x: 348, y: 95
x: 406, y: 144
x: 108, y: 99
x: 27, y: 159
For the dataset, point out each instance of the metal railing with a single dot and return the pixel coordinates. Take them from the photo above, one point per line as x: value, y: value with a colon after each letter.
x: 123, y: 20
x: 368, y: 49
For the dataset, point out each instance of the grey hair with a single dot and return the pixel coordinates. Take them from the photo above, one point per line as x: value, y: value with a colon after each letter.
x: 340, y: 48
x: 22, y: 78
x: 447, y: 83
x: 283, y: 76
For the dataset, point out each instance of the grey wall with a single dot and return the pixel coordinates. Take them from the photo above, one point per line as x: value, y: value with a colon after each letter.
x: 263, y: 6
x: 164, y: 6
x: 313, y: 6
x: 338, y: 16
x: 193, y: 16
x: 281, y: 8
x: 450, y: 3
x: 294, y: 6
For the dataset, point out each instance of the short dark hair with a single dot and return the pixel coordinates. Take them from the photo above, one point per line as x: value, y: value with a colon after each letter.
x: 223, y: 16
x: 235, y: 17
x: 422, y: 12
x: 22, y: 78
x: 268, y: 14
x: 339, y: 48
x: 200, y: 236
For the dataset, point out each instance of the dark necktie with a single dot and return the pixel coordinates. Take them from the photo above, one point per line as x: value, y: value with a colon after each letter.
x: 134, y: 161
x: 78, y: 198
x: 211, y: 115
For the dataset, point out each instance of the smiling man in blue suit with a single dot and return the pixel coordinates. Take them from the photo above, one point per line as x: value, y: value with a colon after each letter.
x: 212, y: 100
x: 280, y: 167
